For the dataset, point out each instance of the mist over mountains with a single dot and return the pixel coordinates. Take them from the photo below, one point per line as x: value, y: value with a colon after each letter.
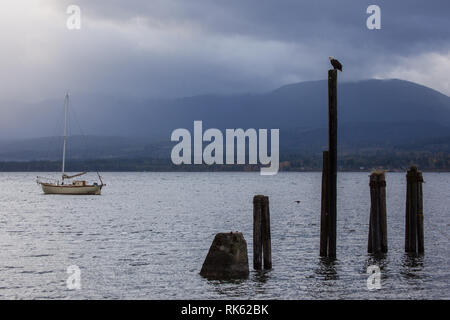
x: 373, y: 115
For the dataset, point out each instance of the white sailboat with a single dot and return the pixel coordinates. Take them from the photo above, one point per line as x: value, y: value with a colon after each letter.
x: 66, y: 185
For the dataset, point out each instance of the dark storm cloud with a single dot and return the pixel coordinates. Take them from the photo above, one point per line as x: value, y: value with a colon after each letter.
x: 176, y: 48
x: 405, y: 23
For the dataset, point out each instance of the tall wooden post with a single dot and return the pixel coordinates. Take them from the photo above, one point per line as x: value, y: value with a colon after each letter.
x: 377, y: 224
x: 383, y: 214
x: 257, y: 237
x: 332, y: 155
x: 266, y: 238
x: 414, y: 212
x: 420, y: 237
x: 324, y: 207
x: 262, y: 247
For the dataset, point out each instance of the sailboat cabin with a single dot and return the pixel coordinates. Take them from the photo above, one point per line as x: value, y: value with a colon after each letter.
x: 79, y: 183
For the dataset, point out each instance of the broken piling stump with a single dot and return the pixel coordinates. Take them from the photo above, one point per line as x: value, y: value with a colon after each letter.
x: 377, y: 223
x: 414, y: 238
x: 227, y: 257
x: 262, y: 248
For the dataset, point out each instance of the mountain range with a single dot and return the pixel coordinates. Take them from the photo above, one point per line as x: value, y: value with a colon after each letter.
x: 373, y: 115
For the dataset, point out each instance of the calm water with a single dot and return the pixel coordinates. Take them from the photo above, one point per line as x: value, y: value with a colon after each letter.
x: 146, y: 238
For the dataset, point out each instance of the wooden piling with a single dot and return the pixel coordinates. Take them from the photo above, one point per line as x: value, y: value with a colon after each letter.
x: 332, y: 156
x: 420, y: 237
x: 413, y: 215
x: 377, y: 224
x: 370, y: 245
x: 324, y: 207
x: 383, y: 214
x: 414, y: 212
x: 265, y: 230
x: 412, y: 208
x: 407, y: 227
x: 328, y: 214
x: 257, y: 237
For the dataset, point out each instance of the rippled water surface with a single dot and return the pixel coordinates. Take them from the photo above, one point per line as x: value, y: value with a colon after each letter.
x: 147, y: 235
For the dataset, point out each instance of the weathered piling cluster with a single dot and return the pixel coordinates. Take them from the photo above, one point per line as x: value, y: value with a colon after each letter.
x: 329, y: 175
x: 262, y: 250
x: 377, y: 223
x: 414, y: 235
x: 227, y: 256
x: 414, y: 242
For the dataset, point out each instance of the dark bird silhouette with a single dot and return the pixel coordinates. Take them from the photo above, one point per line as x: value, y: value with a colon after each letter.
x: 336, y: 64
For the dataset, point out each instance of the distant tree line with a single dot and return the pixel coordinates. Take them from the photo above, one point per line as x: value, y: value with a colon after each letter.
x: 437, y: 161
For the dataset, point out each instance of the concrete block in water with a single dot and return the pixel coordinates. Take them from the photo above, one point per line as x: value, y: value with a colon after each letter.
x: 227, y: 257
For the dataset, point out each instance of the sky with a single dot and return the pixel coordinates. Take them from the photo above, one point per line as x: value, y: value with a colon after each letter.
x: 174, y: 48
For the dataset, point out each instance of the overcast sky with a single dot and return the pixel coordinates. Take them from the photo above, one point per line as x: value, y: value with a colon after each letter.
x: 172, y: 48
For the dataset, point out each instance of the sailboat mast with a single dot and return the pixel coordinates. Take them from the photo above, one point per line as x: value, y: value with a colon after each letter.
x: 66, y: 106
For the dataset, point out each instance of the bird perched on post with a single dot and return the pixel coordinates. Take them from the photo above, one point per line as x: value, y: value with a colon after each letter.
x: 336, y: 64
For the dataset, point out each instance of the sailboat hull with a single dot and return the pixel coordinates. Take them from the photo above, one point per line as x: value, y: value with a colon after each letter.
x: 71, y: 189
